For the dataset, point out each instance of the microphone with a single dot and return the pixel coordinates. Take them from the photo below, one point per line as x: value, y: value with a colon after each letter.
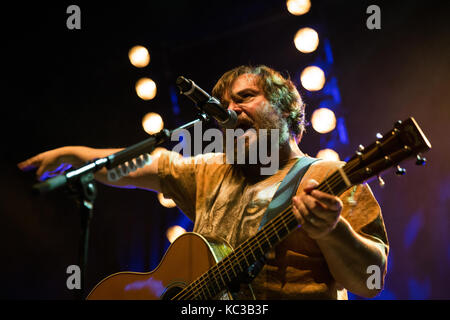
x: 226, y: 118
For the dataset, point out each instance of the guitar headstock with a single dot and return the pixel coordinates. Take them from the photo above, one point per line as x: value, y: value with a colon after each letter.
x: 404, y: 141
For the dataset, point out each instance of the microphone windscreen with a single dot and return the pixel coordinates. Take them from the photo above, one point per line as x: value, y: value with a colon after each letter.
x: 231, y: 122
x: 183, y: 84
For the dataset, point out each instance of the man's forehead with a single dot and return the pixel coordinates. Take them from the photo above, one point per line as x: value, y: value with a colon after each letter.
x: 245, y: 81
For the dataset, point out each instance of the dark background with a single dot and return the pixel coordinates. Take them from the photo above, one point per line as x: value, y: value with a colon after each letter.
x: 76, y: 87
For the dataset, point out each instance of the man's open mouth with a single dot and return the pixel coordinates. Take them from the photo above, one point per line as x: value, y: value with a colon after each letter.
x: 244, y: 125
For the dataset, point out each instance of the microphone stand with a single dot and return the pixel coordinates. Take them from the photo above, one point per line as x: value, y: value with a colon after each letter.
x: 81, y: 182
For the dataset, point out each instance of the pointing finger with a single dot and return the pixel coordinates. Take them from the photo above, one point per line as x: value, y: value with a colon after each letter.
x: 29, y: 164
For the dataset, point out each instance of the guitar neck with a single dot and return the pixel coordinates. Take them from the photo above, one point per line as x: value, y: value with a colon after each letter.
x: 237, y: 263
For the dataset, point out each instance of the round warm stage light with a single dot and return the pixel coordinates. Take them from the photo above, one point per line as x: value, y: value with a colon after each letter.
x: 152, y: 123
x: 146, y: 88
x: 306, y: 40
x: 298, y: 7
x: 328, y: 154
x: 323, y: 120
x: 166, y: 202
x: 312, y: 78
x: 139, y: 56
x: 174, y: 232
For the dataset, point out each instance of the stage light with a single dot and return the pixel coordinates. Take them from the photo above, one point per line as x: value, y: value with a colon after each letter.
x: 174, y: 232
x: 328, y: 154
x: 146, y: 88
x: 165, y: 202
x: 312, y: 78
x: 139, y: 56
x: 152, y: 123
x: 306, y: 40
x: 323, y: 120
x: 298, y: 7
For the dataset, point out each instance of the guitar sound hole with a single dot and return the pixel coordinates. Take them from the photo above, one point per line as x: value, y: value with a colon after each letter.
x: 172, y: 291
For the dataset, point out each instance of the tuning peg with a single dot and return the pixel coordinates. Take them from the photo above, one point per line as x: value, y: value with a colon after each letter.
x: 421, y: 161
x: 379, y: 135
x: 398, y: 124
x: 360, y: 148
x: 400, y: 171
x: 381, y: 181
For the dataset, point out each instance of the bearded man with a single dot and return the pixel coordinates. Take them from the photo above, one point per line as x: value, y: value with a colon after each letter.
x: 339, y: 238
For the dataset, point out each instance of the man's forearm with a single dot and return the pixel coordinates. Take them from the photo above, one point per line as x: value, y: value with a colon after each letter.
x: 144, y: 178
x: 349, y: 254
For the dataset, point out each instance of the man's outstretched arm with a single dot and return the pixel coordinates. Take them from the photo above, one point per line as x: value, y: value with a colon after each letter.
x: 50, y: 161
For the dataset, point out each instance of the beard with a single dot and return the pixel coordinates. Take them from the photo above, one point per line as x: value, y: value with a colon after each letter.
x: 245, y: 144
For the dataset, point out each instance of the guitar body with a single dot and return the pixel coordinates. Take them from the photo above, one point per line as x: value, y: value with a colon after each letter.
x: 188, y: 257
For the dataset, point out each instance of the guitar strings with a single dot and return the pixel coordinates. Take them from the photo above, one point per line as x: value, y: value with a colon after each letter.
x: 227, y: 264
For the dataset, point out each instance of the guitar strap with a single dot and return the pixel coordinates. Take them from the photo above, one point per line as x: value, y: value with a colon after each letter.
x: 287, y: 189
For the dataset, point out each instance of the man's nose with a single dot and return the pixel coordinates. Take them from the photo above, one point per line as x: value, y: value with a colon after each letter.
x: 235, y: 107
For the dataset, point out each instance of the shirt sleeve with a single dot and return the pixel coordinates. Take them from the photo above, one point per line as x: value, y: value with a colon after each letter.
x: 178, y: 181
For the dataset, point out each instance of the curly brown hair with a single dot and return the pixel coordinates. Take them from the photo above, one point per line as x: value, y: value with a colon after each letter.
x: 278, y: 90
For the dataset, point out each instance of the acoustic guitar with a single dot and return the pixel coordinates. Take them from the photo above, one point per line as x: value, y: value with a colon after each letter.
x: 195, y: 267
